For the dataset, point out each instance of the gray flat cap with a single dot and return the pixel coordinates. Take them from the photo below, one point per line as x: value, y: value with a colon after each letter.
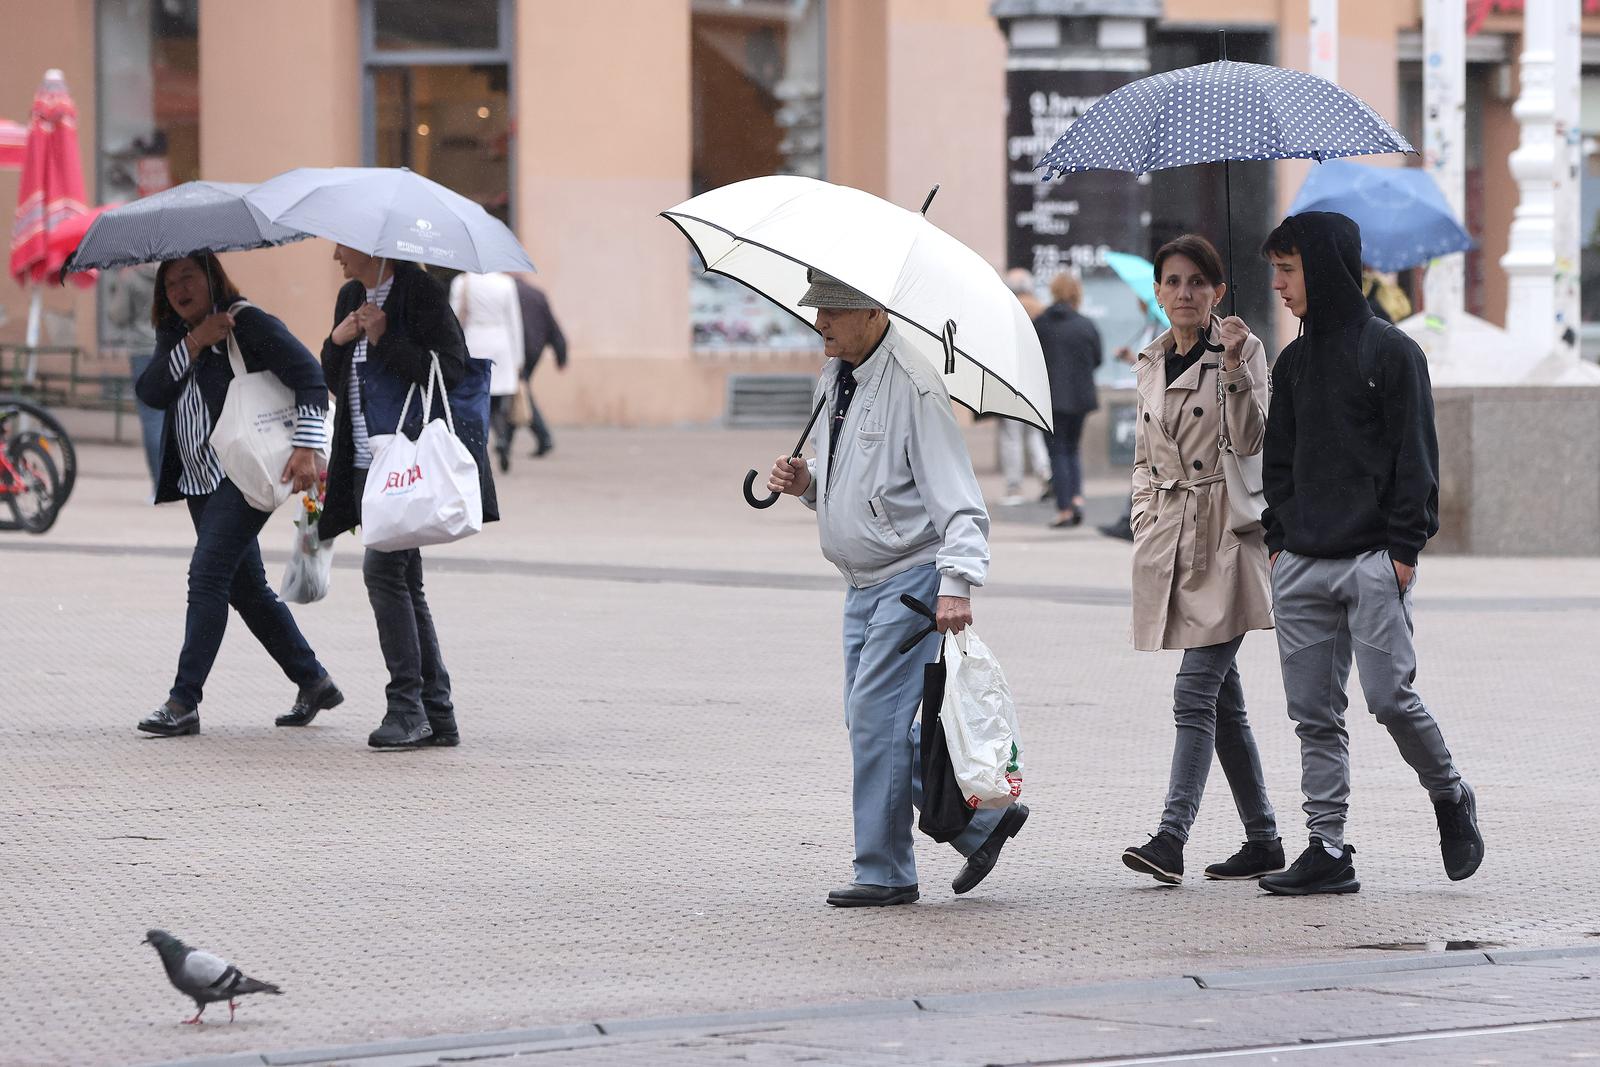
x: 826, y: 292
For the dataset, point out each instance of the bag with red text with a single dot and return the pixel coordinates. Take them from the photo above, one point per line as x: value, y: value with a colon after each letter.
x: 980, y: 723
x: 422, y: 492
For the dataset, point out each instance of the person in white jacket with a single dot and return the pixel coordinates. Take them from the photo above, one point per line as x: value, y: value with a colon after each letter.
x: 899, y: 512
x: 491, y: 317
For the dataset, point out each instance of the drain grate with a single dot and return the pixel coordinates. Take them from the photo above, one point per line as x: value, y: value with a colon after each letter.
x: 769, y: 399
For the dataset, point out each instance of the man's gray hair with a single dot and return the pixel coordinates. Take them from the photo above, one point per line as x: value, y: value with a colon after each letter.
x: 1019, y: 280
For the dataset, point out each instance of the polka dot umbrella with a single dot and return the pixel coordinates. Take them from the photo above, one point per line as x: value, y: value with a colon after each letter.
x: 1217, y: 113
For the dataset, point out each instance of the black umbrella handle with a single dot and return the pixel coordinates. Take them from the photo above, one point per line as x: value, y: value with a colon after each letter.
x: 750, y: 477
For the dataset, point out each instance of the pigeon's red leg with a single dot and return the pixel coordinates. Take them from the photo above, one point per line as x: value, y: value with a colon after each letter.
x: 196, y: 1020
x: 231, y: 1007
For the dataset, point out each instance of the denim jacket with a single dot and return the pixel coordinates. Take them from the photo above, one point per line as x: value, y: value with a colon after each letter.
x: 901, y: 491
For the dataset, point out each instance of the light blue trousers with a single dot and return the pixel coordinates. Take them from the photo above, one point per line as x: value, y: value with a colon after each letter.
x: 882, y: 690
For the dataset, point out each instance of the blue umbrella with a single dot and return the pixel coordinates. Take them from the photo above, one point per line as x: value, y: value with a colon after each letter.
x: 391, y: 212
x: 1139, y: 274
x: 1402, y: 212
x: 174, y: 223
x: 1218, y: 112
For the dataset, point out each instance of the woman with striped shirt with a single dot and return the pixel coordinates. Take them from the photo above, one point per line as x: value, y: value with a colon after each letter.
x: 195, y: 308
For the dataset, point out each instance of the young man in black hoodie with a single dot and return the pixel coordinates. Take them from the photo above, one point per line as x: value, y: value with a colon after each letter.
x: 1351, y: 470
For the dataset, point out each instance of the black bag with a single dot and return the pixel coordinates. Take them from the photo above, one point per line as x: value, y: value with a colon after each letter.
x: 944, y: 812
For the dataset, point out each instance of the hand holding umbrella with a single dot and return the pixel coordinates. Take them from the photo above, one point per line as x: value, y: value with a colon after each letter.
x: 785, y: 471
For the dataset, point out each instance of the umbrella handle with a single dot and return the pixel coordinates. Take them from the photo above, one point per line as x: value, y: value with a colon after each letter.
x: 751, y: 476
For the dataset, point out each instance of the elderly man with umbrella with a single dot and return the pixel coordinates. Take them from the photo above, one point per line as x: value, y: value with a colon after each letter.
x: 898, y: 507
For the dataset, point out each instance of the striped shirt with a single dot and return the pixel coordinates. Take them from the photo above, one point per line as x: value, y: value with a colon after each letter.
x: 202, y: 471
x: 358, y: 415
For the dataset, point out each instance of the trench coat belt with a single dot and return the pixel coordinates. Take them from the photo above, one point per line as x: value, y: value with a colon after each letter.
x: 1201, y: 543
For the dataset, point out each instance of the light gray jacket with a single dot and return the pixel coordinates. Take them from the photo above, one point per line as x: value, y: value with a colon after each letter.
x: 901, y: 491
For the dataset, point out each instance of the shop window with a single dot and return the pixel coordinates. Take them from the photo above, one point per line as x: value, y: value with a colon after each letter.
x: 147, y: 133
x: 756, y: 93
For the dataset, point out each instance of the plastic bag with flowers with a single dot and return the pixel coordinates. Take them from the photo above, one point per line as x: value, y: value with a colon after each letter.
x: 310, y: 569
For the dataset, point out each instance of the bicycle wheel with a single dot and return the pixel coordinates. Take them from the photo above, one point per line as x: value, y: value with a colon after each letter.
x: 19, y: 416
x: 35, y: 498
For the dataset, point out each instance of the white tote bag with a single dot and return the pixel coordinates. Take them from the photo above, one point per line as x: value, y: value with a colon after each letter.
x: 980, y: 724
x: 255, y: 432
x: 422, y: 492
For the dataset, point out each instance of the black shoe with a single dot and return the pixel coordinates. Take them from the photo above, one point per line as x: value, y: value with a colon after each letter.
x: 543, y: 450
x: 505, y: 459
x: 1047, y: 493
x: 1315, y: 872
x: 320, y: 697
x: 1120, y: 530
x: 1161, y: 857
x: 1253, y: 859
x: 401, y: 730
x: 170, y: 721
x: 1460, y: 843
x: 856, y: 895
x: 445, y: 734
x: 981, y: 862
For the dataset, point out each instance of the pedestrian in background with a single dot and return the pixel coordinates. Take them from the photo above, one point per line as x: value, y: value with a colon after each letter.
x: 1020, y: 443
x: 899, y: 513
x: 195, y: 306
x: 490, y: 312
x: 539, y: 331
x: 1198, y: 585
x: 1072, y: 353
x: 391, y: 319
x: 1351, y: 471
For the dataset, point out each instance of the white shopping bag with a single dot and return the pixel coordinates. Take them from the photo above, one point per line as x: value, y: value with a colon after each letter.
x: 980, y: 724
x: 422, y: 492
x: 310, y: 567
x: 255, y: 432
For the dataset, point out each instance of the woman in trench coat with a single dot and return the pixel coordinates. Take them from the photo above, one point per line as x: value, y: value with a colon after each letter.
x: 1197, y: 585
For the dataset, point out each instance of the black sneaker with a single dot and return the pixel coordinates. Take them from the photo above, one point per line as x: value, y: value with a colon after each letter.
x: 1253, y: 859
x: 1315, y: 872
x: 1161, y: 858
x: 1460, y: 843
x: 401, y: 730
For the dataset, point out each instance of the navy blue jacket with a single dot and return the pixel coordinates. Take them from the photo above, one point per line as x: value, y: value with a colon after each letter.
x: 1072, y: 352
x: 264, y: 342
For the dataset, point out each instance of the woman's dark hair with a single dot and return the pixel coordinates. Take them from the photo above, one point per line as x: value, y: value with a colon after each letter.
x: 1199, y: 250
x: 223, y: 291
x: 1281, y: 241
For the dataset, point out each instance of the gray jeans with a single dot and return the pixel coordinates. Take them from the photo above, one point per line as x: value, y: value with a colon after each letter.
x: 1328, y: 611
x: 1208, y: 704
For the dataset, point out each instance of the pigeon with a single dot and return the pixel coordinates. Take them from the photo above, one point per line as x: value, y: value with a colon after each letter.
x: 206, y: 978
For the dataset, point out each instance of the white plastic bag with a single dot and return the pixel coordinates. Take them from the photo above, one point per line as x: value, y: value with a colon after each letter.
x: 310, y: 567
x: 255, y: 432
x: 422, y: 492
x: 980, y: 724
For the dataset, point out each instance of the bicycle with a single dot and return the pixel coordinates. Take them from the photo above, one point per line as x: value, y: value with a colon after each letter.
x: 38, y: 465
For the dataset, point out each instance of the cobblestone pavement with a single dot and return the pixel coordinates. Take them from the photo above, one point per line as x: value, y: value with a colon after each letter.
x: 650, y: 802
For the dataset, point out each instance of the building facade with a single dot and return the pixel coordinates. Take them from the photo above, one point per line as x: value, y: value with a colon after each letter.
x: 578, y: 122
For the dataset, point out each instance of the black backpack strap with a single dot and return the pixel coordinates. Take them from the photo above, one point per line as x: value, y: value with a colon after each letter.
x: 1372, y: 334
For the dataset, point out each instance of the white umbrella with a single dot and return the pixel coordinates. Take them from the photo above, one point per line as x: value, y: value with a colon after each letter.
x: 952, y: 306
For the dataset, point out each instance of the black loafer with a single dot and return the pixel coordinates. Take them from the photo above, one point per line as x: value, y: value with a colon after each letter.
x: 856, y: 895
x: 400, y: 731
x: 166, y: 722
x: 981, y: 862
x: 321, y: 697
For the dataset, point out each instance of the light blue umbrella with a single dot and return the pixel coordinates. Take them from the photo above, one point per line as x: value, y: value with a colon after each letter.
x: 174, y: 223
x: 1140, y: 276
x: 1404, y: 218
x: 393, y: 213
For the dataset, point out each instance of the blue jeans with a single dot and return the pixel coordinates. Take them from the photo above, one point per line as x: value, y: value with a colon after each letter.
x: 226, y: 569
x: 1208, y: 704
x: 882, y: 691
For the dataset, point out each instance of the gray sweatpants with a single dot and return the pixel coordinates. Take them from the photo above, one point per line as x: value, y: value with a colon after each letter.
x: 1326, y: 611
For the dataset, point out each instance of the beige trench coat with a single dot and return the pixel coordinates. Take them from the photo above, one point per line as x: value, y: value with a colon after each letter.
x: 1195, y: 582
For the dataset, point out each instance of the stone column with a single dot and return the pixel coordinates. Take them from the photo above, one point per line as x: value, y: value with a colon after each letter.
x: 1530, y: 261
x: 1444, y: 90
x: 1567, y: 87
x: 1062, y: 57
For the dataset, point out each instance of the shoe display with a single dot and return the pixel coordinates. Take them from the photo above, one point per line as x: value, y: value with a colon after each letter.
x: 1315, y: 872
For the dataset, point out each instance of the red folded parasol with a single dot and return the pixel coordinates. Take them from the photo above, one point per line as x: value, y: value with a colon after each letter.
x: 13, y: 142
x: 51, y: 190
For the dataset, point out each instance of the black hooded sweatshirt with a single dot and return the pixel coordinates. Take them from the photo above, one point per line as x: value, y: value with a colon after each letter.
x: 1349, y: 465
